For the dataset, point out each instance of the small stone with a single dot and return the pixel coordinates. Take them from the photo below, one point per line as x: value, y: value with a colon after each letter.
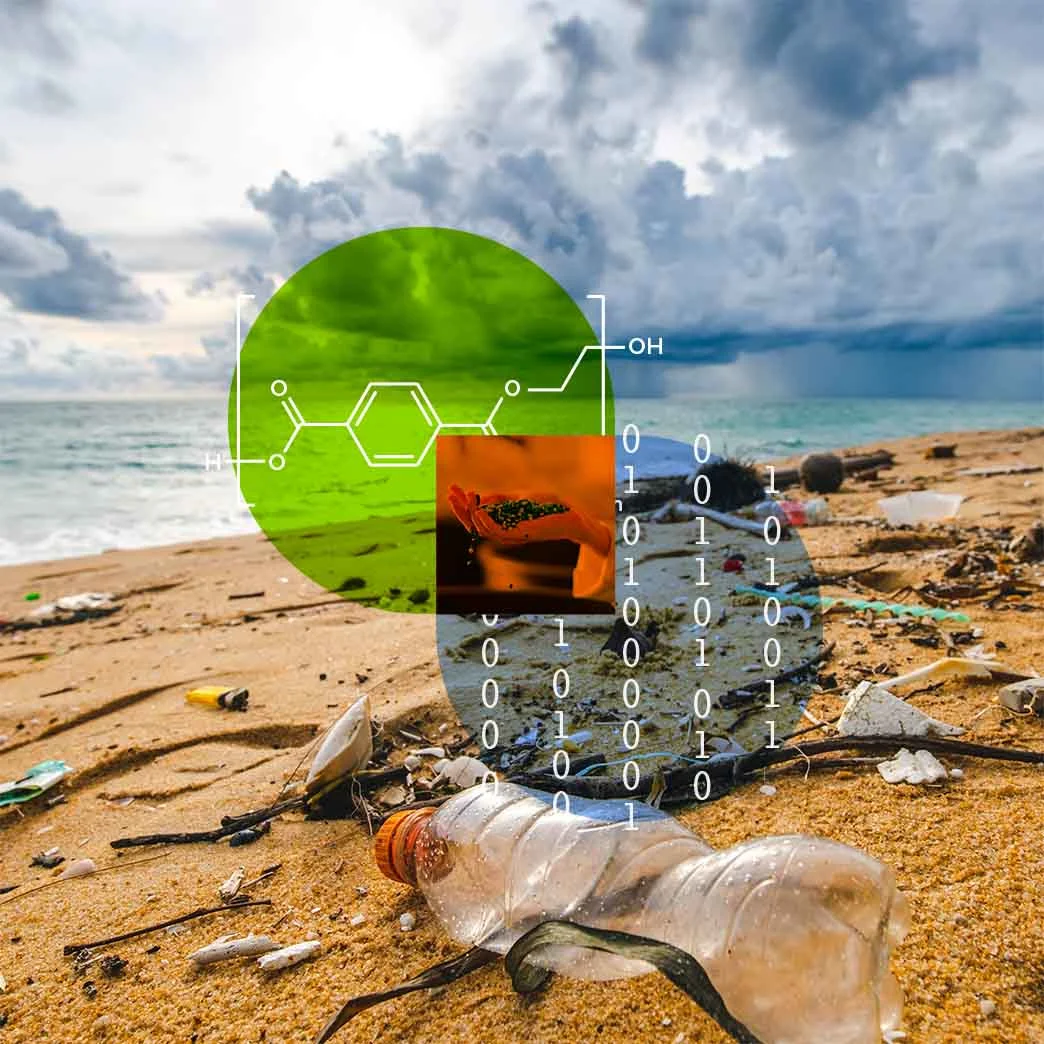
x: 362, y: 891
x: 101, y: 1025
x: 956, y: 773
x: 988, y: 1008
x: 357, y: 920
x: 407, y: 922
x: 768, y: 790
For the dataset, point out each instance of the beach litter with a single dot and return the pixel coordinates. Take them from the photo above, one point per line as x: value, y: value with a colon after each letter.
x: 78, y: 868
x: 826, y: 603
x: 288, y: 956
x: 87, y: 605
x: 36, y: 781
x: 49, y: 859
x: 919, y: 767
x: 219, y: 697
x: 1024, y: 697
x: 228, y: 947
x: 347, y: 748
x: 462, y: 771
x: 249, y: 835
x: 910, y: 509
x: 871, y: 710
x: 229, y: 889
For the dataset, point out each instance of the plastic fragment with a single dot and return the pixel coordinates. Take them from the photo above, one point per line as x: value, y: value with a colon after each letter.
x: 407, y: 922
x: 229, y: 889
x: 289, y: 955
x: 871, y: 710
x: 230, y: 946
x: 921, y: 767
x: 463, y: 771
x: 249, y: 835
x: 1024, y: 696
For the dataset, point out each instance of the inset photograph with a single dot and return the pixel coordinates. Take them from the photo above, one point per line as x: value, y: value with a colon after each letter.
x: 525, y: 524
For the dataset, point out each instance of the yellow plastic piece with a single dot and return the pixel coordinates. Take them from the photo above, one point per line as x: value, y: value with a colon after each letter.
x: 207, y: 696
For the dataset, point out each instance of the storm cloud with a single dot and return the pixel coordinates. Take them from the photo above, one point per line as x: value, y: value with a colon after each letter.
x: 48, y: 269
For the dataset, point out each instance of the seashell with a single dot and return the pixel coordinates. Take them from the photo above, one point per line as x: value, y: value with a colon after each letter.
x: 78, y: 868
x: 347, y: 748
x: 289, y: 955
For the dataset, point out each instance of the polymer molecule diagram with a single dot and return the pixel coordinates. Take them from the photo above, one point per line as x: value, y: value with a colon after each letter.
x: 412, y: 392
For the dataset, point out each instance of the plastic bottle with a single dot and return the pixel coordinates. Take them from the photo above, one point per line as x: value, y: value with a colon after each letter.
x: 806, y: 513
x: 795, y: 932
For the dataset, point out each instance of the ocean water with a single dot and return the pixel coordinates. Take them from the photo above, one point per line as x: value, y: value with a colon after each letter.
x: 82, y: 477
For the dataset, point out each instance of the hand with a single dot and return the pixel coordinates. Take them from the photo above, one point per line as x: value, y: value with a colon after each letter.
x: 571, y: 524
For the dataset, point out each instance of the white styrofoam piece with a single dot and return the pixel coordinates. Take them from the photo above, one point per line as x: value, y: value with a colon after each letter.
x: 920, y: 767
x: 871, y: 710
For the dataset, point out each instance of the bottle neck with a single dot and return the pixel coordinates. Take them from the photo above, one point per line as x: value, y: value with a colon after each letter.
x: 396, y: 844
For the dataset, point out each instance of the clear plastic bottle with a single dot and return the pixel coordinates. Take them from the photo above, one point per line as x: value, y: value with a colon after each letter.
x: 795, y: 932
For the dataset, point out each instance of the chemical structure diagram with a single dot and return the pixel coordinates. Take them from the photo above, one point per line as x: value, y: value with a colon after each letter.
x: 411, y: 393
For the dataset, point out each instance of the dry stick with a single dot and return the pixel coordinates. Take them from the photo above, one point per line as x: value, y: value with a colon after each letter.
x: 730, y: 770
x: 202, y: 912
x: 100, y: 870
x: 741, y: 692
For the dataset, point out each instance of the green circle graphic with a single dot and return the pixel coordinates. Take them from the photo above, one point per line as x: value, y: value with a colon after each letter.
x: 357, y: 364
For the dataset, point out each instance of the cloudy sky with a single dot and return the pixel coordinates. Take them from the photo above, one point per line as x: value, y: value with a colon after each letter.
x: 807, y: 197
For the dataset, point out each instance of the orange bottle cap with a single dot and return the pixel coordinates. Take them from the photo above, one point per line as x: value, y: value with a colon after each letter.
x: 395, y: 842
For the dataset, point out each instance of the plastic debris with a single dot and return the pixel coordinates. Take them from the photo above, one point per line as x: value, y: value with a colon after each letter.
x: 973, y: 665
x: 347, y: 748
x: 249, y: 835
x: 112, y: 965
x: 871, y: 710
x: 229, y: 889
x: 78, y: 868
x: 357, y: 919
x: 48, y: 859
x: 221, y: 697
x: 39, y: 778
x: 407, y: 922
x: 794, y: 612
x: 1024, y: 696
x: 825, y: 602
x: 463, y: 771
x: 908, y: 509
x: 921, y: 767
x: 676, y: 511
x: 229, y: 946
x: 767, y: 789
x: 288, y: 956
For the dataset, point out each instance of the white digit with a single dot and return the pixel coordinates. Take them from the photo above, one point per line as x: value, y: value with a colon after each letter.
x: 631, y: 429
x: 631, y: 603
x: 631, y: 643
x: 701, y: 696
x: 488, y: 744
x: 490, y: 643
x: 631, y: 686
x: 701, y: 785
x: 701, y: 611
x: 490, y: 683
x: 630, y: 540
x: 561, y: 673
x: 627, y: 733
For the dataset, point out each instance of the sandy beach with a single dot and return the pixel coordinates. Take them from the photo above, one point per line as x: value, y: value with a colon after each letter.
x: 107, y: 695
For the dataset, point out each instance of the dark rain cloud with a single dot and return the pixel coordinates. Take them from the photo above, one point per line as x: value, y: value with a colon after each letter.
x: 48, y: 269
x: 885, y: 216
x: 574, y: 47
